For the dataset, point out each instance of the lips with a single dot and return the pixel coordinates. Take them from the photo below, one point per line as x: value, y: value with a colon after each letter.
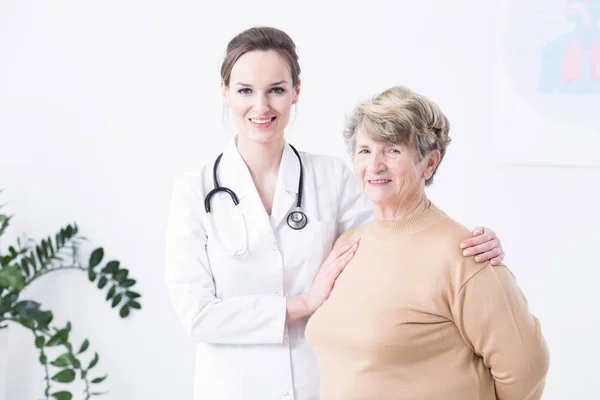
x: 379, y: 181
x: 262, y: 120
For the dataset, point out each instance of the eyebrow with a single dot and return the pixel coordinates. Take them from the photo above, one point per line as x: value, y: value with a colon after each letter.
x: 272, y: 84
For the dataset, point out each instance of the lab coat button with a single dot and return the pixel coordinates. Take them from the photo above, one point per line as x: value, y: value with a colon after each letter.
x: 286, y: 393
x: 277, y: 294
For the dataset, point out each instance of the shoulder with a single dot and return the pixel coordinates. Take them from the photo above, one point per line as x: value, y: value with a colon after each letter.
x: 444, y: 238
x: 447, y: 234
x: 322, y: 163
x: 195, y: 182
x: 349, y: 235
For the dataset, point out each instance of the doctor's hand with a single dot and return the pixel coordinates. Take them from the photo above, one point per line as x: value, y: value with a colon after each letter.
x: 484, y: 245
x: 334, y: 264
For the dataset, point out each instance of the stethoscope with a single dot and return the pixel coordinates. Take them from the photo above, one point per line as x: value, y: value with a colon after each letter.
x: 295, y: 219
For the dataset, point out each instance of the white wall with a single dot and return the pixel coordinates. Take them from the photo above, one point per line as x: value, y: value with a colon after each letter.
x: 103, y: 104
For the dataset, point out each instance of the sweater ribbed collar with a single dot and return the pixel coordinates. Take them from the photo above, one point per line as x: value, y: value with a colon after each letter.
x: 406, y: 227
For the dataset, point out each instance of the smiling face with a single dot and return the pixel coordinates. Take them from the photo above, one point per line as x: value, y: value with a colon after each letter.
x: 390, y: 174
x: 261, y: 95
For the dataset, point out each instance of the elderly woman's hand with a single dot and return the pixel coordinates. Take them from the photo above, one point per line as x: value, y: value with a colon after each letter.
x: 484, y: 245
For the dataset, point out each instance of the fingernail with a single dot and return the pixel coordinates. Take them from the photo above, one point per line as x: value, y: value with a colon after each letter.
x: 463, y: 245
x: 494, y: 262
x: 467, y: 253
x: 477, y: 258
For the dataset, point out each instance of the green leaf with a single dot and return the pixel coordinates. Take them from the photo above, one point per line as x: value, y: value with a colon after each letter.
x: 84, y: 346
x: 39, y: 341
x: 128, y: 283
x: 43, y: 359
x: 61, y: 337
x: 27, y: 308
x: 102, y: 282
x: 29, y: 311
x: 83, y: 374
x: 10, y: 277
x: 63, y: 361
x: 121, y: 276
x: 64, y: 376
x: 132, y: 295
x: 124, y: 312
x: 59, y: 239
x: 92, y: 275
x: 32, y: 260
x: 7, y: 302
x: 99, y: 380
x: 111, y: 267
x: 40, y: 255
x: 116, y: 300
x: 111, y: 292
x: 43, y: 318
x: 25, y: 266
x: 62, y: 395
x: 134, y: 304
x: 93, y: 362
x: 96, y: 256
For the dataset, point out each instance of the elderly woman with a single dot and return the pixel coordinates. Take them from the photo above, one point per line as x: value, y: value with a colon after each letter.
x: 409, y: 317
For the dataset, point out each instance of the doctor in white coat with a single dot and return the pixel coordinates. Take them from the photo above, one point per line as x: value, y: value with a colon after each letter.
x: 247, y: 264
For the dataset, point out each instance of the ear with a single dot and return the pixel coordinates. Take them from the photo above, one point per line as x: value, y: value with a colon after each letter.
x: 431, y: 162
x: 225, y: 93
x: 297, y: 91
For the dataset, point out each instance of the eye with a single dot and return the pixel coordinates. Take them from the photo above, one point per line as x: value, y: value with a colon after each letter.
x: 363, y: 151
x: 395, y: 151
x: 244, y: 91
x: 278, y: 90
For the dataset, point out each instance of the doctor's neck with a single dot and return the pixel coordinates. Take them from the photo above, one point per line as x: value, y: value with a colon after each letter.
x: 261, y: 158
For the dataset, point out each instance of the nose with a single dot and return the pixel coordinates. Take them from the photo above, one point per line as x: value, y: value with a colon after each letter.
x: 376, y: 163
x: 261, y: 104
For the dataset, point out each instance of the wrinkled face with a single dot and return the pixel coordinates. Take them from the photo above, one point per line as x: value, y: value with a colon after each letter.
x: 261, y: 95
x: 389, y: 174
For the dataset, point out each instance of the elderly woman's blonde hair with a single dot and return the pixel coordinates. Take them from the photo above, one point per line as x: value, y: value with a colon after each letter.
x: 400, y: 116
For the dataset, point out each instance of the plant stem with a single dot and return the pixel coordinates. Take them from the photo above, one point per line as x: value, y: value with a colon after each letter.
x: 47, y: 392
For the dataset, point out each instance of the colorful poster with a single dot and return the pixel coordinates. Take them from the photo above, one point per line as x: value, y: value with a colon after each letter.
x: 546, y: 82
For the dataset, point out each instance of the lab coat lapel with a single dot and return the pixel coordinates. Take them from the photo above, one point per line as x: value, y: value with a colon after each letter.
x: 287, y: 187
x: 236, y: 176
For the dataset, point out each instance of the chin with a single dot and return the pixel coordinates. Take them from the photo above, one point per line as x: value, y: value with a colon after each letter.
x: 263, y: 136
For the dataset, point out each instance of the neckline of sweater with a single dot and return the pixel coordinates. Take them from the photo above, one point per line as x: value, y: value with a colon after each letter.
x: 408, y: 226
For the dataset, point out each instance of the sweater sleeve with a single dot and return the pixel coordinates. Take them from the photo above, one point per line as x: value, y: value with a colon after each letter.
x: 492, y: 315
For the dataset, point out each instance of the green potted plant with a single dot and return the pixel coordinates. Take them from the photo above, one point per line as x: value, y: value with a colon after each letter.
x: 24, y: 262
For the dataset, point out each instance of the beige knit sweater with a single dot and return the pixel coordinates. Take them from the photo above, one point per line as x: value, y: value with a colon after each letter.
x: 410, y: 318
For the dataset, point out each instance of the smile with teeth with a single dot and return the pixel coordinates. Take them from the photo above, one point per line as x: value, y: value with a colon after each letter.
x: 262, y: 121
x: 379, y: 180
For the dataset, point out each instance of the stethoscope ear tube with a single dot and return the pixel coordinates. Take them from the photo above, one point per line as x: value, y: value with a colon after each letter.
x: 216, y: 190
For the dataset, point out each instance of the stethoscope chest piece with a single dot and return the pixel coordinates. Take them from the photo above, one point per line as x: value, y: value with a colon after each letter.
x: 297, y: 220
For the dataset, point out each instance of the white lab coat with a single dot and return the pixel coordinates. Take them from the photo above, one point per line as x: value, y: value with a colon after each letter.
x: 234, y: 307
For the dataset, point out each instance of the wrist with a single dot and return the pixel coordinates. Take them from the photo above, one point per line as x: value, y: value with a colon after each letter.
x: 297, y: 307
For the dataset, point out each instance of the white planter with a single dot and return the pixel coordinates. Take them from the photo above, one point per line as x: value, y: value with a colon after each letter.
x: 3, y: 364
